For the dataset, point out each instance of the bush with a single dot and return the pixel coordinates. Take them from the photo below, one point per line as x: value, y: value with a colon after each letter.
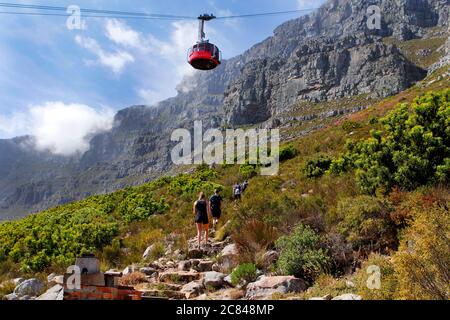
x: 253, y: 240
x: 244, y: 274
x: 248, y: 171
x: 288, y: 152
x: 140, y: 206
x: 326, y: 285
x: 365, y: 222
x: 423, y: 260
x: 364, y: 279
x: 317, y: 167
x: 349, y: 126
x: 341, y: 254
x: 413, y: 150
x: 111, y: 254
x: 302, y: 255
x: 189, y: 185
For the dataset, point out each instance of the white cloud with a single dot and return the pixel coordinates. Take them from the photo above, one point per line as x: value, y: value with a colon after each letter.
x: 303, y: 4
x: 120, y: 33
x: 63, y: 129
x: 116, y: 61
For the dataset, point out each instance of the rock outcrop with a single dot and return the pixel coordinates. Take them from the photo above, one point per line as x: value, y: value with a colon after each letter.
x: 265, y: 287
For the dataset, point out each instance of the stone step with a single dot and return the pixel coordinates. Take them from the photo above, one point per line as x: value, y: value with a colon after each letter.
x: 179, y: 277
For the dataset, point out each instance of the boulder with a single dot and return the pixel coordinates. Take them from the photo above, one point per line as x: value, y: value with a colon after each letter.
x: 128, y: 270
x: 50, y: 277
x: 228, y: 281
x: 148, y: 271
x: 11, y: 297
x: 213, y: 279
x: 54, y: 293
x: 195, y: 253
x: 204, y: 266
x: 192, y: 289
x: 228, y: 259
x: 269, y: 258
x: 148, y: 251
x: 18, y: 281
x: 53, y: 279
x: 31, y: 287
x: 226, y: 294
x: 265, y: 286
x: 184, y: 265
x: 348, y: 296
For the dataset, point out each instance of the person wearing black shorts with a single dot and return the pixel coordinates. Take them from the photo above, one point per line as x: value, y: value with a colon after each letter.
x: 215, y: 203
x: 201, y: 211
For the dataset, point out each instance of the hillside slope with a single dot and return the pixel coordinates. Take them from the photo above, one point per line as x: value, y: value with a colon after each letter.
x: 348, y: 225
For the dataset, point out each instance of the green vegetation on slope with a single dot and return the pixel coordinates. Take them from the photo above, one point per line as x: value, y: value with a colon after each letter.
x: 337, y: 224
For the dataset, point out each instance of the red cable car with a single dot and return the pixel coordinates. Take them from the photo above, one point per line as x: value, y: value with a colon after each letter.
x: 204, y: 55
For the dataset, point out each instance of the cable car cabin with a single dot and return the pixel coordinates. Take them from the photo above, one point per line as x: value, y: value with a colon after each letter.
x: 204, y: 56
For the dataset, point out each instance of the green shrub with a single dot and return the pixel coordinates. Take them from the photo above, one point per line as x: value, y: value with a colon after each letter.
x: 349, y: 125
x: 317, y: 167
x: 248, y: 171
x: 189, y: 185
x: 413, y: 150
x: 365, y: 222
x: 302, y: 255
x: 243, y: 274
x: 288, y: 152
x: 140, y: 206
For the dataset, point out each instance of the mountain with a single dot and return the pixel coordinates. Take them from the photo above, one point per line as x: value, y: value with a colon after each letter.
x: 312, y: 69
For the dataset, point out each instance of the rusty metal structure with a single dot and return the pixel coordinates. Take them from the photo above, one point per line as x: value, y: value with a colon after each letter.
x: 96, y: 285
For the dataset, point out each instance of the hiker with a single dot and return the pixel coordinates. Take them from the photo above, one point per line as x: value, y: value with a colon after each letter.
x: 215, y: 203
x: 237, y: 191
x: 245, y: 185
x: 201, y: 211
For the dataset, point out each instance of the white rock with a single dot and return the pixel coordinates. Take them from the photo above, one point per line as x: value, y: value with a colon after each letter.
x: 18, y: 281
x: 54, y: 293
x: 213, y: 279
x: 228, y: 257
x: 228, y: 281
x: 348, y: 296
x: 192, y: 289
x: 148, y: 251
x: 31, y: 287
x: 11, y: 297
x: 265, y: 286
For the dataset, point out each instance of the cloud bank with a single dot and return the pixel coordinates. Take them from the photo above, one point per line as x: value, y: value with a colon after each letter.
x: 63, y: 129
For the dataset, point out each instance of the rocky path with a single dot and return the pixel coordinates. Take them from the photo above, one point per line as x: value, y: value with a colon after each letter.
x: 205, y: 274
x: 199, y: 274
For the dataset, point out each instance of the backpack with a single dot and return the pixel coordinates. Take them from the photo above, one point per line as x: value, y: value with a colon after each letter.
x: 237, y: 190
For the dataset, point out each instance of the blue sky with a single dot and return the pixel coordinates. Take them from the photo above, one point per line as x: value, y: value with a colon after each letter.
x: 112, y: 64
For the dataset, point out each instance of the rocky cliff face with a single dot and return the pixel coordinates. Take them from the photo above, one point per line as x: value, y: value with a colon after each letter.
x: 328, y: 55
x: 331, y: 54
